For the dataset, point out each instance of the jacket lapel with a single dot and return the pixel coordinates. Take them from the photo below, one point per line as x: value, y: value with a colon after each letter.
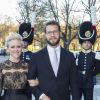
x: 61, y: 64
x: 48, y: 63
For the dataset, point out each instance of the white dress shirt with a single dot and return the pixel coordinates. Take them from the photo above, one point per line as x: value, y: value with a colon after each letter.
x: 50, y: 52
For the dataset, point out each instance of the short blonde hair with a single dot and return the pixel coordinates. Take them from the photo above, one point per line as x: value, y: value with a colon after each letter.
x: 12, y: 36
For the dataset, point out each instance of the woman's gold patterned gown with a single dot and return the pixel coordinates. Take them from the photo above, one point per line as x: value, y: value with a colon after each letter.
x: 13, y: 80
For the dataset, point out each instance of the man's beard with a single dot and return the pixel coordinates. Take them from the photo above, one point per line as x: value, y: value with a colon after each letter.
x: 53, y: 44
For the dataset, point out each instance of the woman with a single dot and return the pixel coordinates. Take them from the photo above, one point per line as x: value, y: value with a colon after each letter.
x: 13, y: 72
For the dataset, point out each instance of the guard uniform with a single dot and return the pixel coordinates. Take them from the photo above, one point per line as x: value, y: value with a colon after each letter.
x: 26, y: 31
x: 86, y: 62
x: 85, y: 67
x: 26, y: 56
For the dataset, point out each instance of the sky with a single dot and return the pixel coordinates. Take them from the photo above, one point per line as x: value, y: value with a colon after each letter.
x: 8, y: 7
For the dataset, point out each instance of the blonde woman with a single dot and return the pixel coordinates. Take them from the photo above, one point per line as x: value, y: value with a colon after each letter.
x: 13, y: 72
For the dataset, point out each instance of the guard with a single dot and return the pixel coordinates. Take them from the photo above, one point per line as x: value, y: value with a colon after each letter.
x: 86, y: 60
x: 26, y: 30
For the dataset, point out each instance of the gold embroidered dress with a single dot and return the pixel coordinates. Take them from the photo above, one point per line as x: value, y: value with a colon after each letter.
x: 13, y: 80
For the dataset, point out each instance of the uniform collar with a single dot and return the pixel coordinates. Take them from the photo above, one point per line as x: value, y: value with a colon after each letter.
x: 86, y: 51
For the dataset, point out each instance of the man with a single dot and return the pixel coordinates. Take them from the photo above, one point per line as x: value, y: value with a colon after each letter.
x: 26, y: 32
x: 55, y: 79
x: 86, y: 60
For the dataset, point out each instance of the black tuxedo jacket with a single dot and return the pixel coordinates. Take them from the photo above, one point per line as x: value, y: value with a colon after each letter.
x: 57, y: 88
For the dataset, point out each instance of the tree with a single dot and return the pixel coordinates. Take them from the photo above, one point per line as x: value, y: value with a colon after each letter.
x: 65, y: 12
x: 6, y: 26
x: 26, y: 7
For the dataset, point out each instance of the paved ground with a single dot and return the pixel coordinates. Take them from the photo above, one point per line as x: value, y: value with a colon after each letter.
x: 3, y: 58
x: 96, y: 92
x: 96, y: 87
